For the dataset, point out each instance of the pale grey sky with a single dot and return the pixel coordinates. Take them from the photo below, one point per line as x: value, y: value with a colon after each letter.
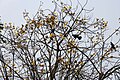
x: 11, y: 10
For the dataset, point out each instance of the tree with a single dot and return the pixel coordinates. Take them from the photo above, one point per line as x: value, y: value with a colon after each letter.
x: 60, y: 44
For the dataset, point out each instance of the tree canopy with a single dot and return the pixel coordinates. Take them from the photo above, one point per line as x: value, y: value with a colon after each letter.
x: 62, y: 44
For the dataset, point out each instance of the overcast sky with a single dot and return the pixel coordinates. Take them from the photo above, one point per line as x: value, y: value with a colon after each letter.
x: 11, y: 10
